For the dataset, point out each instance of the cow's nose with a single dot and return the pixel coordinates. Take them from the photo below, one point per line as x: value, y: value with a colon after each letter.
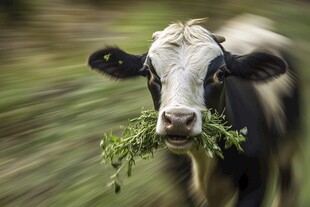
x: 179, y: 123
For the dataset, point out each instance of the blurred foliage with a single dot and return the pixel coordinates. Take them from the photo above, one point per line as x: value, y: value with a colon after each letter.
x: 53, y: 111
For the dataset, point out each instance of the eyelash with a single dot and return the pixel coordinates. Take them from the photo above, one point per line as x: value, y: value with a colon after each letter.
x: 219, y: 75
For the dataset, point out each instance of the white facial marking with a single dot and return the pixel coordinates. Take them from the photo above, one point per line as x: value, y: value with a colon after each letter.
x: 180, y: 55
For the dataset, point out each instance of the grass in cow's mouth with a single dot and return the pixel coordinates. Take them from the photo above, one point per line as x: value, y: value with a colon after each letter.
x: 139, y: 140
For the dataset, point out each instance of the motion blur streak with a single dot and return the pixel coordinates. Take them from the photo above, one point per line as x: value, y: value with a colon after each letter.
x: 53, y: 111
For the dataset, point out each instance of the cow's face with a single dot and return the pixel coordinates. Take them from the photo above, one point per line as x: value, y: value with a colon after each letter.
x: 183, y: 66
x: 186, y: 70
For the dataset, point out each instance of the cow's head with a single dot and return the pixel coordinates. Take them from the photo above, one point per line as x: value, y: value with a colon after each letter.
x: 186, y: 68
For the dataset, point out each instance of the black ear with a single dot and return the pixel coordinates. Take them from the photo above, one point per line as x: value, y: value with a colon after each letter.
x: 116, y: 63
x: 256, y: 66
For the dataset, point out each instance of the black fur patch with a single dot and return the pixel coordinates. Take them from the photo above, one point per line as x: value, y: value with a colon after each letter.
x: 256, y: 66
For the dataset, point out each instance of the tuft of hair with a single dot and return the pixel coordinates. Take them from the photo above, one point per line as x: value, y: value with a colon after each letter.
x: 199, y: 21
x: 191, y: 31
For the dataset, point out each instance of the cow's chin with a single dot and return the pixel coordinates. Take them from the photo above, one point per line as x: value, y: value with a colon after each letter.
x: 179, y: 144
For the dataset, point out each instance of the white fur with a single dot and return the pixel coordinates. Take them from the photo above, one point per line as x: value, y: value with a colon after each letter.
x: 270, y: 94
x: 181, y: 54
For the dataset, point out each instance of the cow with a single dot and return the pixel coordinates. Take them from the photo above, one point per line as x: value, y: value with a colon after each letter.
x: 188, y: 71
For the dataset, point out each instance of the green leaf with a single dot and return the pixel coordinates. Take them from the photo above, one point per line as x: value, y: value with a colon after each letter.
x: 106, y: 57
x: 129, y: 167
x: 139, y: 140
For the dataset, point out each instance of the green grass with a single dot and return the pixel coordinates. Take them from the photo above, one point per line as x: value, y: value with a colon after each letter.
x: 54, y: 111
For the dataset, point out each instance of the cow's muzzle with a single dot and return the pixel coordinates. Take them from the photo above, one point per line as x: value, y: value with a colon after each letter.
x: 179, y: 125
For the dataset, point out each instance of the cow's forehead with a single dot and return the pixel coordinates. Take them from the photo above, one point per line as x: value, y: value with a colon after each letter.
x: 182, y: 46
x: 190, y: 32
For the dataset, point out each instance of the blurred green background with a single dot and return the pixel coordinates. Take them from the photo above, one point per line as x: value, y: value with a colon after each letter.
x: 54, y: 111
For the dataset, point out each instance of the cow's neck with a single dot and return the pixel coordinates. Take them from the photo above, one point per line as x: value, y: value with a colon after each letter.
x: 202, y: 168
x: 210, y: 186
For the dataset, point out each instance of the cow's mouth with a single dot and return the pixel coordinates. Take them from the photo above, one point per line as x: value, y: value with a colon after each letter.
x: 178, y: 144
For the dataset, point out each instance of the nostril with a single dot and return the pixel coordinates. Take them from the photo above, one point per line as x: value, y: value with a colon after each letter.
x: 191, y: 119
x: 167, y: 119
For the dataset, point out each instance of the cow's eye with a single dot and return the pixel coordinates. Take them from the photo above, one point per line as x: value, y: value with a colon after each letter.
x: 220, y: 75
